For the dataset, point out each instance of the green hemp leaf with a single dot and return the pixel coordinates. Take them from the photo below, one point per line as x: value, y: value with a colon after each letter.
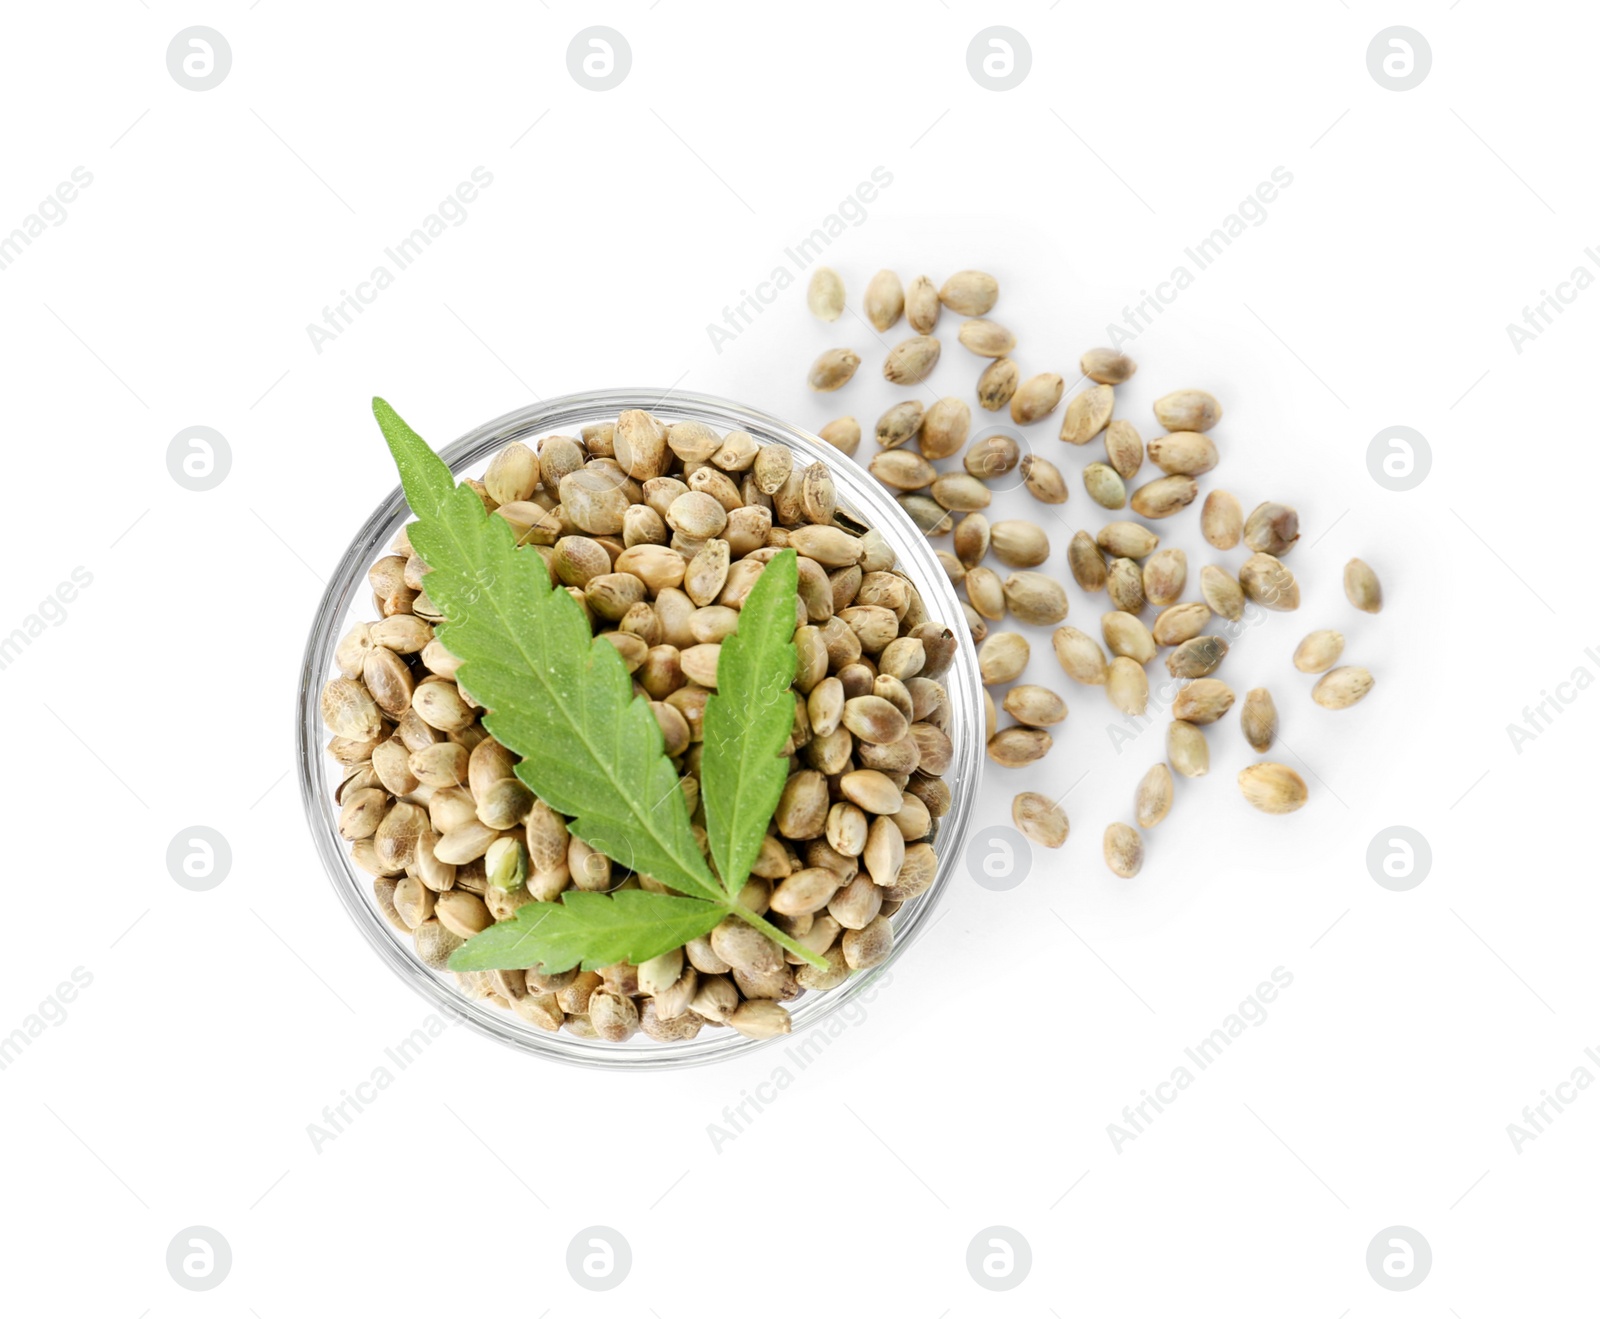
x: 561, y: 698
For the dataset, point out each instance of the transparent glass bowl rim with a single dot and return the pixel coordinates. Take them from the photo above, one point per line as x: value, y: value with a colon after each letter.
x: 859, y: 494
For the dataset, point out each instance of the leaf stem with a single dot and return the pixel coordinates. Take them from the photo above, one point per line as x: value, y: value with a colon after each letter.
x: 776, y: 935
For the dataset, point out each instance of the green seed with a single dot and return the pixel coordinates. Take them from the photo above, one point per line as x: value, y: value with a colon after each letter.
x: 1105, y: 487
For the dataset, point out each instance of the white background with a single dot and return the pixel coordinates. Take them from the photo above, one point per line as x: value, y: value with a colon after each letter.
x: 979, y: 1087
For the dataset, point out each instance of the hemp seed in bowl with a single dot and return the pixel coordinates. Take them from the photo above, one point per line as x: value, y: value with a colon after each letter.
x: 657, y: 521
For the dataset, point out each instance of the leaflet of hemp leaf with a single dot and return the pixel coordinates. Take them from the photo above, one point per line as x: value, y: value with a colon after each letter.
x: 589, y: 931
x: 558, y: 696
x: 748, y: 720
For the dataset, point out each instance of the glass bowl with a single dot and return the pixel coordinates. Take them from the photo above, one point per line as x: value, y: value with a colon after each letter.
x: 347, y: 601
